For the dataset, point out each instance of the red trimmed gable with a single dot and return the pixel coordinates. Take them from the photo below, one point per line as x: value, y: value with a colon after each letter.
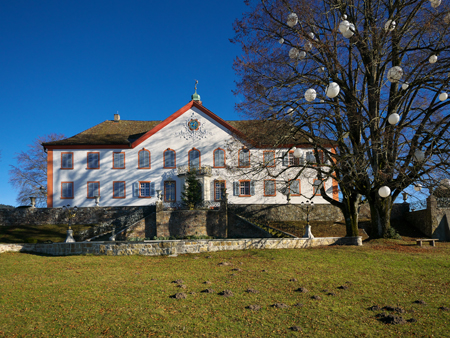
x: 180, y: 112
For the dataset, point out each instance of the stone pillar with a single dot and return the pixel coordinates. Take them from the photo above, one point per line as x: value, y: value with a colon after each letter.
x: 69, y: 238
x: 159, y: 218
x: 223, y: 215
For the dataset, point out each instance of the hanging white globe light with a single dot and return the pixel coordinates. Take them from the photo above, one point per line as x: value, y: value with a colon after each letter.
x: 310, y: 95
x: 293, y: 53
x: 298, y: 153
x: 344, y: 26
x: 433, y: 59
x: 419, y: 155
x: 384, y: 191
x: 321, y: 69
x: 405, y: 86
x: 322, y: 101
x: 292, y: 20
x: 290, y: 111
x: 394, y: 118
x: 332, y: 90
x: 308, y: 46
x: 349, y: 32
x: 389, y: 26
x: 311, y: 35
x: 435, y: 3
x: 417, y: 187
x: 395, y: 74
x: 281, y: 41
x: 447, y: 18
x: 344, y: 17
x: 443, y: 96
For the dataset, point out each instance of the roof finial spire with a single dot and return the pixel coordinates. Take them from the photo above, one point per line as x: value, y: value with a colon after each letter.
x: 195, y: 96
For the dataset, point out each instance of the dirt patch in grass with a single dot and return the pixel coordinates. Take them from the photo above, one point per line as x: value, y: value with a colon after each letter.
x: 226, y: 293
x: 391, y: 319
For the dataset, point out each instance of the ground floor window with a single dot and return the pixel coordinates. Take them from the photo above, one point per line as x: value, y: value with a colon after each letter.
x: 244, y: 188
x: 169, y: 191
x: 269, y: 188
x: 295, y: 187
x: 93, y: 189
x: 66, y: 189
x: 119, y: 189
x: 144, y: 189
x: 219, y: 190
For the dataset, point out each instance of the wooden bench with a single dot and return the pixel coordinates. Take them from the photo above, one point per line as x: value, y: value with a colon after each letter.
x: 431, y: 240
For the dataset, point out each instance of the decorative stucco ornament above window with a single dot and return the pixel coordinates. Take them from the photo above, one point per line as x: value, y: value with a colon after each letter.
x: 193, y: 129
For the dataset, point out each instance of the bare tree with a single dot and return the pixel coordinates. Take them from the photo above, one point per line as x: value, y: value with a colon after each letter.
x: 369, y: 76
x: 29, y: 177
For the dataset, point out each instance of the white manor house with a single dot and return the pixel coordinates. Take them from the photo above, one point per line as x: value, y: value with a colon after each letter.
x: 135, y: 163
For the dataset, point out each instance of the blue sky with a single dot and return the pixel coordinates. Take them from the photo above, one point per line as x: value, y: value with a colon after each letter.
x: 69, y: 65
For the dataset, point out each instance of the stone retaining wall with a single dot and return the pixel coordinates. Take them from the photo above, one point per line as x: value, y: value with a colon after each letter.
x: 158, y: 248
x: 102, y: 219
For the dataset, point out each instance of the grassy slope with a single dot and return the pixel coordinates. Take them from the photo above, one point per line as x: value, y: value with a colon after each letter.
x: 101, y: 296
x: 41, y: 233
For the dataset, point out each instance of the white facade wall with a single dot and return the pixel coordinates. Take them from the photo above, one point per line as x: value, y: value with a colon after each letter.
x: 210, y: 136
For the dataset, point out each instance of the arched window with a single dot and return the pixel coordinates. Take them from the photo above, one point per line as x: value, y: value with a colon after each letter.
x: 169, y: 159
x: 219, y: 158
x: 194, y: 158
x: 244, y: 158
x: 144, y: 159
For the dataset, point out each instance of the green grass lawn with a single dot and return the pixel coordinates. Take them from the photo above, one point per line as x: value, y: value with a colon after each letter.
x: 103, y: 296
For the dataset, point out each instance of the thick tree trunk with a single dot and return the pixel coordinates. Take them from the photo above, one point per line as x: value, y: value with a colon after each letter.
x: 351, y: 215
x: 380, y: 211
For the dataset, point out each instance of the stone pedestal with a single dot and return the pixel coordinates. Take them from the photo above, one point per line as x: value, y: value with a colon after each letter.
x: 308, y: 233
x: 70, y: 238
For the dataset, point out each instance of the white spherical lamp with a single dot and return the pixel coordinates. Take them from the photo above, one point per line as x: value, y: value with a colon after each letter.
x: 290, y: 111
x: 433, y: 59
x: 435, y: 3
x: 344, y: 26
x: 311, y: 35
x: 349, y: 32
x: 395, y: 74
x: 384, y: 191
x: 321, y: 69
x: 293, y: 53
x: 302, y: 55
x: 417, y: 187
x: 292, y: 20
x: 310, y: 95
x: 447, y: 18
x: 332, y: 90
x: 419, y: 155
x: 281, y: 41
x: 405, y: 86
x: 443, y: 96
x: 389, y: 26
x: 298, y: 153
x: 394, y: 118
x: 308, y: 46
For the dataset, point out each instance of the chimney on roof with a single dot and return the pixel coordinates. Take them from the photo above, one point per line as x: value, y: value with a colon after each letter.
x: 116, y: 117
